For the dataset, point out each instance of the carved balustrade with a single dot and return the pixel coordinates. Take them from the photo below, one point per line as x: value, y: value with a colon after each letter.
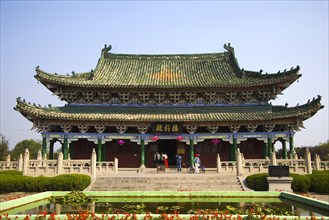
x: 255, y: 165
x: 324, y: 165
x: 9, y: 165
x: 76, y: 166
x: 228, y: 166
x: 47, y: 167
x: 105, y: 167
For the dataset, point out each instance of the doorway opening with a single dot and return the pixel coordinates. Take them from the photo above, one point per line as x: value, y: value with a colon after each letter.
x: 168, y: 147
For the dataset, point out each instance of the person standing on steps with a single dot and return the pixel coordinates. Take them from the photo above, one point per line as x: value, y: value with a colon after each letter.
x: 165, y: 160
x: 157, y: 158
x: 203, y: 168
x: 179, y: 162
x: 197, y: 163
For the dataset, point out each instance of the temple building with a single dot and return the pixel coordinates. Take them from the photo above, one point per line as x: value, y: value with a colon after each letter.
x: 132, y: 106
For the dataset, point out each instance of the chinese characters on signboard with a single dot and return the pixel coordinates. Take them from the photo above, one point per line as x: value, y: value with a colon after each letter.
x: 167, y: 127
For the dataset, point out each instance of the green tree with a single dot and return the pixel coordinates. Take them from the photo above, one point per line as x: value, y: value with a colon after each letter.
x: 33, y: 145
x: 322, y: 149
x: 4, y: 149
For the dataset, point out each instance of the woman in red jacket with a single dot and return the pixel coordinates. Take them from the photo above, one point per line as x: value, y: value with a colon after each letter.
x: 165, y: 160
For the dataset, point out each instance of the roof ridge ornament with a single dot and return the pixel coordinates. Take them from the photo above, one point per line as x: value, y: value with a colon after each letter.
x: 229, y: 49
x: 106, y: 50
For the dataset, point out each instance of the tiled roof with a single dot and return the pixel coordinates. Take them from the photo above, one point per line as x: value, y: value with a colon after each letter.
x: 220, y: 114
x: 215, y: 70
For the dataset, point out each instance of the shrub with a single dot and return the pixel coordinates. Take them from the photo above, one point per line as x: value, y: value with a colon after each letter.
x: 258, y: 182
x: 14, y: 181
x: 319, y: 181
x: 300, y: 183
x: 322, y: 172
x: 70, y: 182
x: 11, y: 172
x: 9, y: 183
x: 37, y: 184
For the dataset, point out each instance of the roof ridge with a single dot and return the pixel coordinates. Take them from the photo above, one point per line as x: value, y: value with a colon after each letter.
x: 157, y: 57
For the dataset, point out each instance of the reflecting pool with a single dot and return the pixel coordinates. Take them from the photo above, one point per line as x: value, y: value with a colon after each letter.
x: 181, y: 205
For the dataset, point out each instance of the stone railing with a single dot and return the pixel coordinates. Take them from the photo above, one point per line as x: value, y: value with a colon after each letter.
x: 11, y: 165
x: 323, y: 165
x: 244, y: 167
x: 46, y: 167
x: 105, y: 167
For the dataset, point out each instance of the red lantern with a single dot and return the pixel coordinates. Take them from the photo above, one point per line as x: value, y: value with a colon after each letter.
x: 179, y: 138
x: 215, y: 141
x: 121, y: 142
x: 155, y: 138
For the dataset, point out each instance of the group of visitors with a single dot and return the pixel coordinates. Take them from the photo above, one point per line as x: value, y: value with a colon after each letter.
x: 162, y: 159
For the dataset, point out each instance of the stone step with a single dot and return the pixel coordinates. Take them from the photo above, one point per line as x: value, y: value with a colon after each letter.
x: 198, y: 177
x: 219, y: 182
x: 167, y: 182
x: 168, y: 186
x: 175, y: 175
x: 172, y: 181
x: 178, y: 188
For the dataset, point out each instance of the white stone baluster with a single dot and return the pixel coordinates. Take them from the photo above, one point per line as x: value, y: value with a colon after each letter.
x: 116, y: 165
x: 219, y: 166
x: 20, y: 163
x: 317, y: 162
x: 238, y: 163
x: 273, y: 159
x: 59, y: 163
x: 93, y: 163
x: 308, y: 162
x: 26, y: 161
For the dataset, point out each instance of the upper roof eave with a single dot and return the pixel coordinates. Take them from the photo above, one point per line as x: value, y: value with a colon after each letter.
x: 82, y: 80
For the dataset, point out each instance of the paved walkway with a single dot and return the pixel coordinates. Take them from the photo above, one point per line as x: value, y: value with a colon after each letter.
x: 9, y: 196
x: 14, y: 195
x: 318, y: 196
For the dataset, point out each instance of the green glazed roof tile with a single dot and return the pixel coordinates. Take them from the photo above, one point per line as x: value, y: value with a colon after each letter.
x: 215, y: 70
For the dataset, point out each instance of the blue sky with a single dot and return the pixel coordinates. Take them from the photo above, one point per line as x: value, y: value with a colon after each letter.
x: 62, y: 36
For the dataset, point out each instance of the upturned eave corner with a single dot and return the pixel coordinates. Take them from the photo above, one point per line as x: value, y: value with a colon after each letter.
x: 310, y: 107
